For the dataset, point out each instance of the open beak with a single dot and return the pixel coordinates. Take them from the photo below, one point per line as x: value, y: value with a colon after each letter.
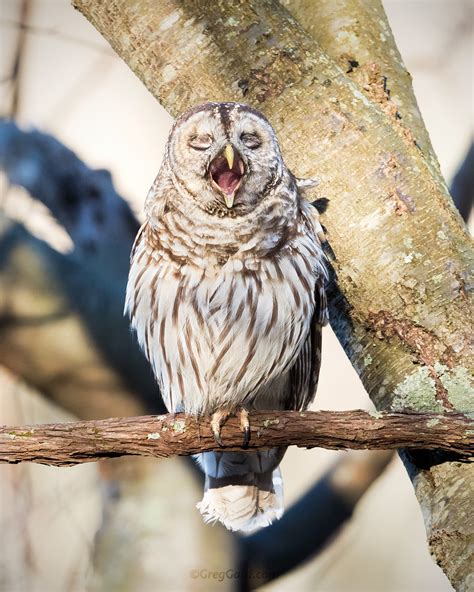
x: 226, y: 172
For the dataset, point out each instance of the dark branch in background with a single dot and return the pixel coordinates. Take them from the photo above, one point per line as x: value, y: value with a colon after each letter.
x: 87, y: 284
x: 83, y: 200
x: 177, y: 434
x: 462, y: 187
x: 88, y: 370
x: 330, y: 502
x: 321, y: 507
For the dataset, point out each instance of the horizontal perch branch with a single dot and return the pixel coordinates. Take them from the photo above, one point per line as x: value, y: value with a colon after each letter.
x: 177, y: 434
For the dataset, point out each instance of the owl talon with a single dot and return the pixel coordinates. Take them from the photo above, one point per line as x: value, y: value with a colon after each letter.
x: 218, y: 419
x: 217, y: 438
x: 245, y: 427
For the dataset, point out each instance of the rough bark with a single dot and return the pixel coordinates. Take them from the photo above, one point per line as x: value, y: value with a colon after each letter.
x: 357, y: 36
x: 401, y: 302
x: 65, y: 444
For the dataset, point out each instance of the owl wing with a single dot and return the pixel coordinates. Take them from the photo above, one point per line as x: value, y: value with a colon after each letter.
x: 304, y: 373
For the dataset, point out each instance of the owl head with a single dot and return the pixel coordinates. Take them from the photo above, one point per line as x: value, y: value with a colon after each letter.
x: 225, y: 157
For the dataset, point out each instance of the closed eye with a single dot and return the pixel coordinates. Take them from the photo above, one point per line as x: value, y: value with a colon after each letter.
x: 252, y: 141
x: 201, y: 142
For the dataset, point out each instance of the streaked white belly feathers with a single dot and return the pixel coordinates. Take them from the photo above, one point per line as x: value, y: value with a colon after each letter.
x: 228, y: 335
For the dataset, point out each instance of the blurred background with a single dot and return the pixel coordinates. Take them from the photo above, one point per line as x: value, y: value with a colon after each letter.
x: 121, y: 525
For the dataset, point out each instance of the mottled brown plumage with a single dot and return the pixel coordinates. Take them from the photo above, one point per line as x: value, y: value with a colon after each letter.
x: 226, y: 292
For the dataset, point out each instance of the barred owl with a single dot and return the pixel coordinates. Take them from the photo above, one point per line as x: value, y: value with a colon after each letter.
x: 226, y: 294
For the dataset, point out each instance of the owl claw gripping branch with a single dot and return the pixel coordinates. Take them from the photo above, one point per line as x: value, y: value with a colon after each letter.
x: 219, y: 418
x: 226, y: 294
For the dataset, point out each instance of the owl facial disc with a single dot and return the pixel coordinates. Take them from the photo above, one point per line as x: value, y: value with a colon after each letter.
x: 226, y: 172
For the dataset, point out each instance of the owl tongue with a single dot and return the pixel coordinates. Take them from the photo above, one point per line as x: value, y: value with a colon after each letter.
x: 227, y: 179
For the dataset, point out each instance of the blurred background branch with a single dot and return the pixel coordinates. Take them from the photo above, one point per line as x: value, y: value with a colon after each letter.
x: 462, y: 187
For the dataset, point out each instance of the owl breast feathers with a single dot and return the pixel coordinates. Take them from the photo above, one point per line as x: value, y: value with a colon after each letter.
x: 226, y: 293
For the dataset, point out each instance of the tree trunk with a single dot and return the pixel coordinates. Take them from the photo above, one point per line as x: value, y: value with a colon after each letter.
x: 401, y: 298
x: 357, y: 36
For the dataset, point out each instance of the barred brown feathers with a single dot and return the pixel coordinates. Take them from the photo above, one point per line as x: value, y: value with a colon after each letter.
x: 226, y: 292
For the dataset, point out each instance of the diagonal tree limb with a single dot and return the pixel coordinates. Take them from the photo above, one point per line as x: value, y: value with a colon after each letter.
x: 402, y: 303
x: 61, y: 315
x: 356, y: 34
x: 311, y: 522
x: 177, y: 434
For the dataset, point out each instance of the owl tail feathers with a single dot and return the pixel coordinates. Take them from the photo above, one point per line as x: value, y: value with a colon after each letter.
x: 244, y: 507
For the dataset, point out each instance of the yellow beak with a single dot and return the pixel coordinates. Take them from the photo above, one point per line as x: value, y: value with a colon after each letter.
x: 229, y: 155
x: 229, y: 200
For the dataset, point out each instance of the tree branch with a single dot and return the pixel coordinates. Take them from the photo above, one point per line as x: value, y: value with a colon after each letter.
x: 177, y: 434
x: 83, y: 200
x: 311, y: 522
x: 45, y: 296
x: 356, y: 34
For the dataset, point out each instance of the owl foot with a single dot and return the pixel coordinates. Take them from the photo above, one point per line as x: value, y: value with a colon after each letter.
x: 245, y: 426
x: 219, y: 418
